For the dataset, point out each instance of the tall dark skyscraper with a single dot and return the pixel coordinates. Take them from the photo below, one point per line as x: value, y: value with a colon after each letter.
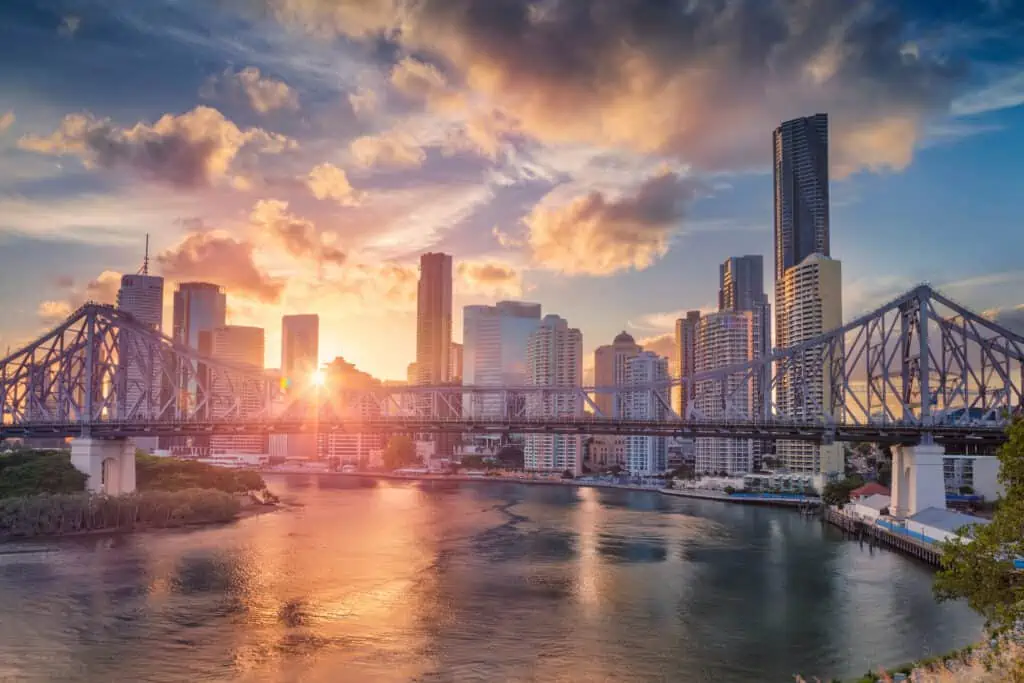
x: 801, y: 191
x: 434, y: 319
x: 300, y: 348
x: 741, y: 288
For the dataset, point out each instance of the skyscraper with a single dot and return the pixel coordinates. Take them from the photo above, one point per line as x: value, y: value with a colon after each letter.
x: 455, y: 360
x: 646, y: 455
x: 801, y: 191
x: 239, y: 345
x: 142, y: 296
x: 495, y: 340
x: 811, y: 297
x: 434, y: 319
x: 686, y: 358
x: 554, y: 357
x: 610, y: 370
x: 725, y: 338
x: 300, y: 348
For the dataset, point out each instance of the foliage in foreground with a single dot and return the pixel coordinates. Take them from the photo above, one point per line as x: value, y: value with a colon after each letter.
x: 25, y: 473
x: 400, y: 452
x: 982, y: 570
x: 999, y: 662
x: 44, y: 515
x: 153, y: 473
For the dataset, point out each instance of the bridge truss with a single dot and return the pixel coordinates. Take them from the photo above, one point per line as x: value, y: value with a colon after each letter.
x: 919, y: 368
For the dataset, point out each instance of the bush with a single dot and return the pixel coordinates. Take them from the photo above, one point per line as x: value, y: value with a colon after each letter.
x: 729, y: 490
x: 46, y: 514
x: 25, y: 473
x: 153, y: 473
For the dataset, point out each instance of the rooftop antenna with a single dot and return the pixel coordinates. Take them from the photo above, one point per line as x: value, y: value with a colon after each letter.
x: 145, y: 261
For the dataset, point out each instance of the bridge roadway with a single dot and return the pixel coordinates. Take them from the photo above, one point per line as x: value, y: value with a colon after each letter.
x: 908, y: 433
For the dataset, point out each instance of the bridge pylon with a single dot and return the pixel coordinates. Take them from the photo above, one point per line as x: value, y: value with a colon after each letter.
x: 109, y: 464
x: 917, y: 479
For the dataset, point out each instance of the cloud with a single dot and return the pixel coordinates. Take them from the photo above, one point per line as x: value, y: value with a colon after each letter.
x: 489, y: 278
x: 363, y: 101
x: 215, y: 256
x: 1005, y: 93
x: 6, y: 120
x: 663, y: 345
x: 69, y: 26
x: 390, y: 149
x: 597, y: 235
x: 703, y: 82
x: 327, y: 181
x: 418, y: 79
x: 1010, y: 317
x: 193, y: 149
x: 102, y: 290
x: 298, y: 235
x: 263, y: 93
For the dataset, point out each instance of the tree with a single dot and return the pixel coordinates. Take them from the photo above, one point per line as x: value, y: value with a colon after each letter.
x: 473, y: 461
x: 838, y: 492
x: 400, y: 452
x: 729, y: 490
x: 966, y: 490
x: 567, y: 474
x: 982, y: 569
x: 512, y: 457
x: 25, y: 473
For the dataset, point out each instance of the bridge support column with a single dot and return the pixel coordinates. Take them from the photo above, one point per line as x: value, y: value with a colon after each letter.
x: 917, y: 479
x: 109, y: 464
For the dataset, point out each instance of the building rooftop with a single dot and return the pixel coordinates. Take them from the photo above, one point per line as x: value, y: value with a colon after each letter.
x: 624, y: 338
x: 876, y: 502
x: 947, y: 520
x: 870, y: 489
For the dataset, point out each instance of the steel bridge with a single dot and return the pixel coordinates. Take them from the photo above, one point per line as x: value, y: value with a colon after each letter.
x: 920, y: 369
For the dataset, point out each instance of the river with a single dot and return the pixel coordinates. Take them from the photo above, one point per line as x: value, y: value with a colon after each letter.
x: 368, y: 581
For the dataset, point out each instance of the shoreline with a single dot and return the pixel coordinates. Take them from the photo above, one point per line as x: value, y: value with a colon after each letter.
x: 679, y: 493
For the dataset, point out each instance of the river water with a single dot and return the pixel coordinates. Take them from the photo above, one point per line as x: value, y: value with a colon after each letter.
x: 482, y: 581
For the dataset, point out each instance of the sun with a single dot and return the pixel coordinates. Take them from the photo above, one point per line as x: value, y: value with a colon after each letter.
x: 318, y: 378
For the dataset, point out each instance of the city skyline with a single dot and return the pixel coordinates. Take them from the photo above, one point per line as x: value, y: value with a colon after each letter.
x: 316, y: 169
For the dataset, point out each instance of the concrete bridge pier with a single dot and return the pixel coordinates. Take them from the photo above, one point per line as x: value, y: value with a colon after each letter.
x: 917, y: 479
x: 109, y: 463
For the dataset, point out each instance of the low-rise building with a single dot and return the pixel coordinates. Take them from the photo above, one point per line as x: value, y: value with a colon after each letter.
x: 869, y: 508
x: 935, y: 524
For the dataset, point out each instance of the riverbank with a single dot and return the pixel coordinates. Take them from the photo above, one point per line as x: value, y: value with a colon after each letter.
x: 776, y: 500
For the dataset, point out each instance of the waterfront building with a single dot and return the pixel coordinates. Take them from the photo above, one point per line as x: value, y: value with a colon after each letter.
x: 434, y: 334
x: 725, y: 338
x: 554, y: 357
x: 142, y: 296
x: 495, y: 340
x: 238, y: 345
x: 357, y: 448
x: 300, y: 349
x: 610, y: 370
x: 646, y: 455
x: 434, y: 319
x: 686, y: 360
x: 811, y: 301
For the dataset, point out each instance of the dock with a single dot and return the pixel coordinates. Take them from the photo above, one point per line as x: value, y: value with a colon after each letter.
x: 876, y: 535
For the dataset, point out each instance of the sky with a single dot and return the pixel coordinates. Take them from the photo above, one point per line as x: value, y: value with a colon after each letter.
x: 599, y: 157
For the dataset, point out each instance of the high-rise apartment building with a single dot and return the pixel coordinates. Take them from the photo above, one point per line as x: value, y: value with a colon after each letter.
x: 300, y: 348
x: 554, y: 357
x: 741, y: 288
x: 199, y: 307
x: 361, y: 449
x: 646, y: 455
x: 495, y: 340
x: 142, y: 297
x: 434, y: 319
x: 239, y: 345
x: 725, y: 338
x: 686, y: 360
x: 801, y: 191
x: 812, y: 301
x: 610, y: 363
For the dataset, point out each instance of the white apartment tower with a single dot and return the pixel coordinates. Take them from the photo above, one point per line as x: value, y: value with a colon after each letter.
x: 812, y: 304
x: 646, y: 455
x: 554, y: 357
x: 725, y: 338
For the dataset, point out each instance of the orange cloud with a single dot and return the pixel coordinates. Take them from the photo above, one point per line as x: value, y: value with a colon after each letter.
x: 327, y: 181
x: 263, y: 94
x: 597, y: 235
x: 217, y: 257
x: 298, y: 235
x: 390, y: 149
x: 193, y: 149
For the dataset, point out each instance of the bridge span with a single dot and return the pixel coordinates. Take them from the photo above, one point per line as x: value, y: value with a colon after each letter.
x: 921, y: 373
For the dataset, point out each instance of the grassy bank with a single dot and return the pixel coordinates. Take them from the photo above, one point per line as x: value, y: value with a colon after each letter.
x: 71, y: 513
